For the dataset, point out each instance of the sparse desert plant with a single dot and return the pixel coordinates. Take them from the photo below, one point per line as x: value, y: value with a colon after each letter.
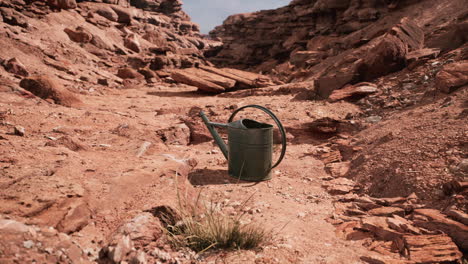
x: 202, y: 227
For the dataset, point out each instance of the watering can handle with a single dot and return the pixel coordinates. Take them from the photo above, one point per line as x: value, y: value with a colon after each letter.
x: 278, y: 123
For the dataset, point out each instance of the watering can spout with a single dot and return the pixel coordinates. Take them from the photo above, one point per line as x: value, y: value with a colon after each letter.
x: 219, y: 141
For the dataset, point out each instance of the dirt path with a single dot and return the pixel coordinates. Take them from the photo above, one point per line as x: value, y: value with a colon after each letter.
x: 106, y: 174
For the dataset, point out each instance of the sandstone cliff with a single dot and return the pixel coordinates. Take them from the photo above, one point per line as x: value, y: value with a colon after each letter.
x: 303, y: 40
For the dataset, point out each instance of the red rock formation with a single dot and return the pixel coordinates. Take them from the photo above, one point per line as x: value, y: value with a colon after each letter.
x: 253, y: 38
x: 335, y: 43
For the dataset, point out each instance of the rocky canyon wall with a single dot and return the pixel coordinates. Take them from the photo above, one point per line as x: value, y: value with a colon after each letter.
x: 308, y: 36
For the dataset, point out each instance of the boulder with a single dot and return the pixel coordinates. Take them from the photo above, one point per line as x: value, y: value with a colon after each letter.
x: 71, y: 143
x: 190, y: 79
x: 258, y: 80
x: 339, y: 186
x: 48, y: 88
x: 325, y: 85
x: 356, y: 91
x: 38, y: 244
x: 15, y: 66
x: 388, y: 56
x: 77, y: 217
x: 212, y: 77
x: 198, y: 131
x: 79, y: 35
x: 135, y: 235
x: 410, y: 33
x: 454, y: 187
x: 240, y: 79
x: 306, y: 58
x: 449, y: 36
x: 131, y: 42
x: 12, y: 226
x: 430, y: 249
x: 99, y: 43
x: 422, y: 55
x: 338, y: 169
x: 402, y: 225
x: 325, y: 125
x: 13, y: 17
x: 143, y: 228
x: 129, y: 73
x: 437, y: 221
x: 108, y: 13
x: 62, y: 4
x: 148, y: 74
x: 452, y: 76
x: 124, y: 15
x: 175, y: 135
x: 387, y: 211
x: 158, y: 39
x: 458, y: 216
x: 379, y: 227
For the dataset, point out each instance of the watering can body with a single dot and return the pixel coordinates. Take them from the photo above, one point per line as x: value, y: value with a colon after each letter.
x: 250, y: 147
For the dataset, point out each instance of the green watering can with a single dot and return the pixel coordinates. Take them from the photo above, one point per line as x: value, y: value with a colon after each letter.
x: 250, y: 149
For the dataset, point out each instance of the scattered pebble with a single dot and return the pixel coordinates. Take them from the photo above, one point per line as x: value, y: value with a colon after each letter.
x: 28, y: 244
x: 373, y: 119
x: 19, y: 131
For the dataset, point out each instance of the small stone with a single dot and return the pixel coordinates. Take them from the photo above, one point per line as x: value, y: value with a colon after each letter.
x: 28, y: 244
x: 408, y: 86
x: 143, y: 148
x: 373, y: 119
x: 463, y: 166
x: 161, y: 255
x: 19, y: 131
x: 104, y: 82
x: 140, y: 258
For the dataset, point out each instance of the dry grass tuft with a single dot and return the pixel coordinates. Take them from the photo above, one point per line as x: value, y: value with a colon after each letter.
x: 203, y: 227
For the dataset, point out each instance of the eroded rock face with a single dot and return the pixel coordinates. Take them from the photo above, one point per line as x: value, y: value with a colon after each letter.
x: 253, y: 38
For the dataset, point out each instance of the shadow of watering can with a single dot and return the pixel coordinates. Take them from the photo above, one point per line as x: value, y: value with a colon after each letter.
x: 250, y: 145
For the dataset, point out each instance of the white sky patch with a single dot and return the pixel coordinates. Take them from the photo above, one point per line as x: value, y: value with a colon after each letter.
x: 211, y: 13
